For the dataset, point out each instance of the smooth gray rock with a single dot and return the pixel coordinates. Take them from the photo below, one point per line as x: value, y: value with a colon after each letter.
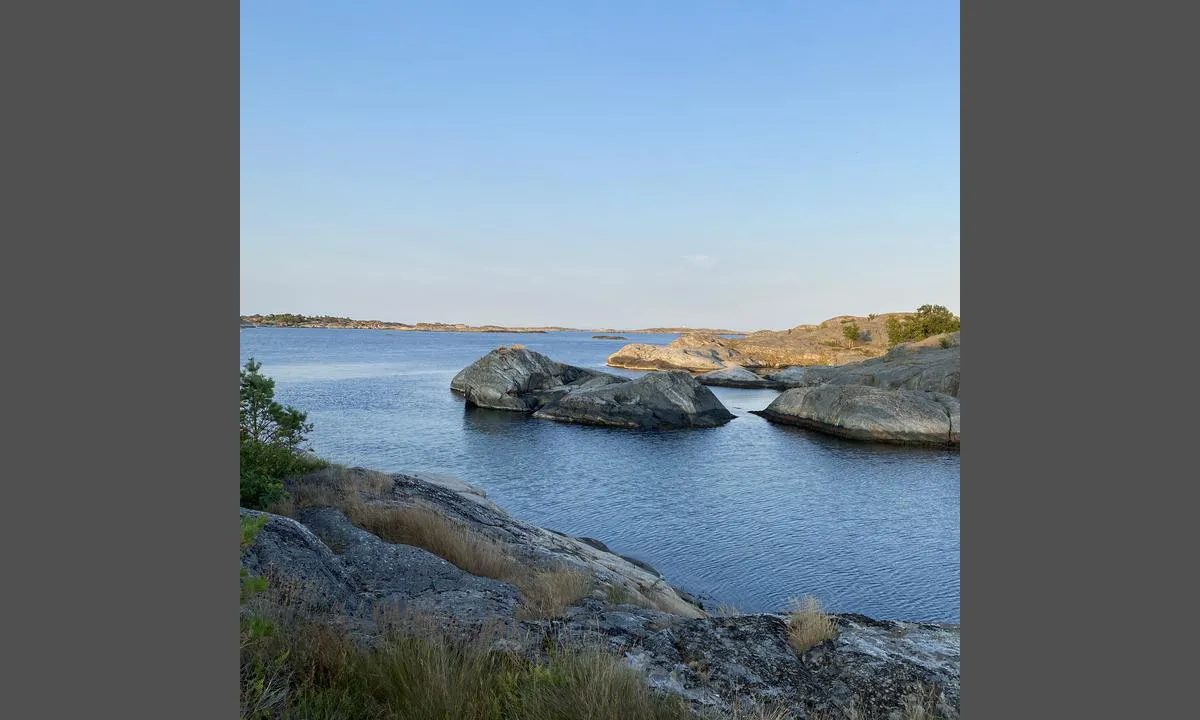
x: 407, y: 577
x: 801, y: 376
x: 873, y: 667
x: 514, y: 378
x: 735, y: 376
x: 287, y: 552
x: 922, y: 365
x: 868, y: 413
x: 656, y: 401
x: 885, y: 665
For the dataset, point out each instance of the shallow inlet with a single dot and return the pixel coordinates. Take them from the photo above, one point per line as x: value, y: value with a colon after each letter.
x: 746, y: 514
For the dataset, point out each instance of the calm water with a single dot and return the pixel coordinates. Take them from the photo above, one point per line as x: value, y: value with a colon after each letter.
x: 748, y: 514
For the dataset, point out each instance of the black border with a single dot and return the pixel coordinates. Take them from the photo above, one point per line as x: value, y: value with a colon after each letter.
x: 124, y: 141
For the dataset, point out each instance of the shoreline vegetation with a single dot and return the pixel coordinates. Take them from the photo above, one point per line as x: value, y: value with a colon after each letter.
x: 290, y: 320
x: 374, y: 595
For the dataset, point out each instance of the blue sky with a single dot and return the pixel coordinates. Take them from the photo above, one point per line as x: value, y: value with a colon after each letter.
x: 595, y: 164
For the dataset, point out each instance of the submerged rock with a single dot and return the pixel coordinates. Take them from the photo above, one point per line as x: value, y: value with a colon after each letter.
x: 861, y: 412
x: 515, y: 378
x: 656, y: 401
x: 735, y: 376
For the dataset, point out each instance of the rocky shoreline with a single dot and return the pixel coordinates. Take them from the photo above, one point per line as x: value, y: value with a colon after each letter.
x: 339, y: 573
x: 340, y: 323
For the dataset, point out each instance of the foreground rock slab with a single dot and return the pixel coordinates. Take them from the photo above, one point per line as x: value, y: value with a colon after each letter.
x: 515, y: 378
x: 872, y: 668
x: 656, y: 401
x: 860, y: 412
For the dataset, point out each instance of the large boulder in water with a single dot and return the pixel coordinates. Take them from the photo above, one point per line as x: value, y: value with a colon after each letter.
x: 516, y: 378
x: 656, y: 401
x: 860, y: 412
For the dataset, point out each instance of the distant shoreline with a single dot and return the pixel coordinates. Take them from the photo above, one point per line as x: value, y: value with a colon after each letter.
x: 300, y: 321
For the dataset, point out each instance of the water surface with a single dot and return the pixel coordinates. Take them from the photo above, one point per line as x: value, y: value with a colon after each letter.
x: 747, y: 514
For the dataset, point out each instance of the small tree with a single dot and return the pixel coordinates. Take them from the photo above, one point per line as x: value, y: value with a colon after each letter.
x: 927, y: 321
x: 851, y: 330
x: 262, y: 419
x: 271, y: 438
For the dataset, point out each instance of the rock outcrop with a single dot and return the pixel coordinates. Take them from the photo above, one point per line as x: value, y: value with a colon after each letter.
x: 860, y: 412
x: 822, y: 344
x: 336, y: 572
x: 515, y: 378
x: 735, y: 376
x: 694, y: 352
x: 656, y: 401
x: 932, y: 364
x: 526, y: 381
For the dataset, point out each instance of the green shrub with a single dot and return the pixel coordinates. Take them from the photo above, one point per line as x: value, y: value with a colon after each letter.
x: 927, y: 321
x: 258, y: 490
x: 851, y: 330
x: 945, y: 343
x: 271, y: 439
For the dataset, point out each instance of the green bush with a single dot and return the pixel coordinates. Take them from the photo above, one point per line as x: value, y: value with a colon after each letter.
x: 929, y: 320
x: 851, y: 330
x: 258, y: 490
x: 271, y: 439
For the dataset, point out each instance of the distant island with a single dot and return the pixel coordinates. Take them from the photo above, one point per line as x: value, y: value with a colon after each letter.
x: 291, y: 320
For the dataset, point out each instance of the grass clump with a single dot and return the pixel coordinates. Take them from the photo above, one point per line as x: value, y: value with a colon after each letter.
x: 545, y: 592
x: 421, y: 527
x: 808, y: 624
x: 618, y: 594
x: 548, y: 593
x: 313, y: 671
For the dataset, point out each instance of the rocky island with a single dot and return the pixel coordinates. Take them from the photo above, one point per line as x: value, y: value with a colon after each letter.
x: 823, y: 344
x: 516, y: 378
x: 293, y: 320
x: 907, y: 396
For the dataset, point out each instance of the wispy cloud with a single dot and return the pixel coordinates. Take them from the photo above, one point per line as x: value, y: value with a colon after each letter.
x: 697, y: 259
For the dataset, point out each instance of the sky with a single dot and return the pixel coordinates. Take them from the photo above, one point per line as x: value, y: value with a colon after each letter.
x: 751, y: 165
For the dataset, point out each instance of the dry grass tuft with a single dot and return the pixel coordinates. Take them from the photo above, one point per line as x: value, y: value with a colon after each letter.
x: 922, y: 705
x: 548, y: 593
x: 808, y: 624
x: 759, y: 712
x: 726, y: 610
x: 544, y: 593
x: 419, y: 673
x: 424, y: 528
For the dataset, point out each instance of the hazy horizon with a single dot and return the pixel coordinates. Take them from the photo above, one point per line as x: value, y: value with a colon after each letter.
x: 693, y: 164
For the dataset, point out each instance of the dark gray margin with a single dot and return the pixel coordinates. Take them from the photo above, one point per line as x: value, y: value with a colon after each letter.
x: 121, y: 281
x: 1072, y: 121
